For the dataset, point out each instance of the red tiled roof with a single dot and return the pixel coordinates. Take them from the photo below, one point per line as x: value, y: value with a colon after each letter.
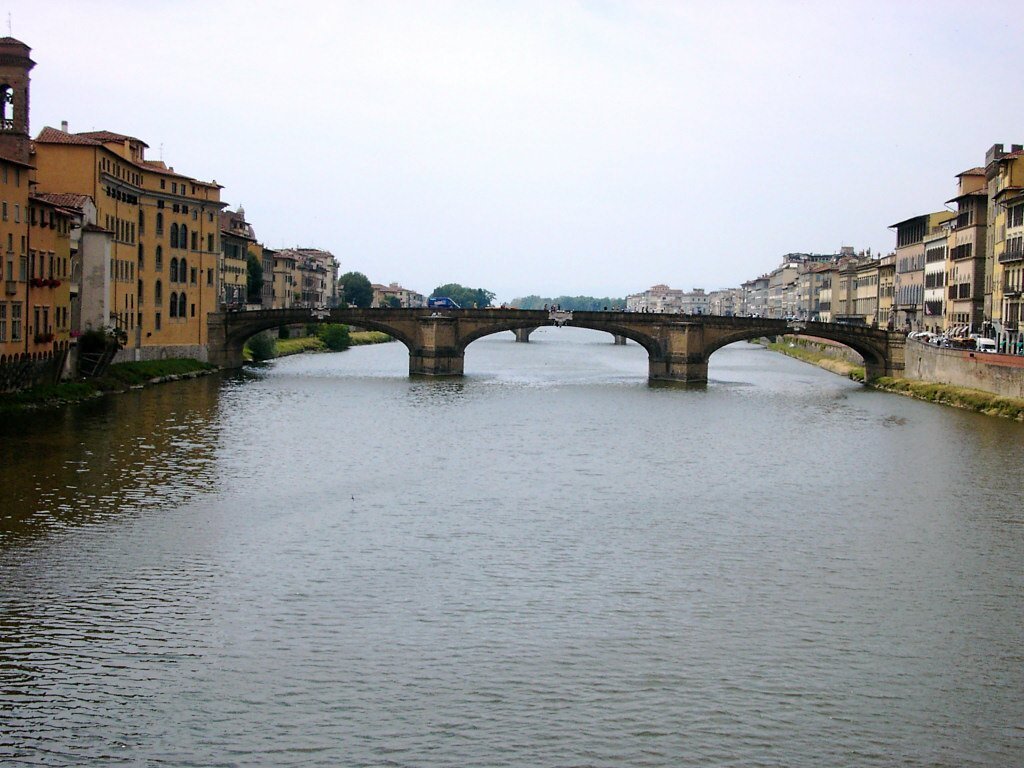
x: 63, y: 199
x: 53, y: 136
x: 107, y: 136
x: 96, y: 138
x: 972, y: 172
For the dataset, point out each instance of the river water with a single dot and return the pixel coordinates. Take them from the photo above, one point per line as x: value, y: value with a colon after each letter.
x: 547, y: 563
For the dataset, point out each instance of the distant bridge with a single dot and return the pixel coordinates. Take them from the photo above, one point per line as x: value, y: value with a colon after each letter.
x: 678, y: 346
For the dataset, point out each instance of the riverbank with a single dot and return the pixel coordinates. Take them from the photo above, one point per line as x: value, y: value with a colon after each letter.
x: 285, y: 347
x: 119, y: 377
x: 945, y: 394
x: 122, y: 377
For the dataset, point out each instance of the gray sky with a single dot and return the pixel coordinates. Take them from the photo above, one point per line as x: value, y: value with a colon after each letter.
x: 547, y: 147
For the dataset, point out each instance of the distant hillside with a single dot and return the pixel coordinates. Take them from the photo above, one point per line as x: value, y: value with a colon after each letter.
x: 572, y: 303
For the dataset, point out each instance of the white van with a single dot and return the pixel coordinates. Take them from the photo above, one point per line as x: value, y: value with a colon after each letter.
x: 985, y: 345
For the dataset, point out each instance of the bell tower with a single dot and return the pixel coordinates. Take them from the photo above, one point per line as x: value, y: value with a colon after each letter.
x: 15, y: 65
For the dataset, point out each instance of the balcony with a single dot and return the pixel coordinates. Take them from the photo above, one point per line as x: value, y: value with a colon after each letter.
x: 1011, y: 288
x: 1011, y: 255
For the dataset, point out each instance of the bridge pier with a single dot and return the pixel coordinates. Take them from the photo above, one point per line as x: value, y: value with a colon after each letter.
x: 680, y: 355
x: 523, y: 334
x: 219, y: 350
x: 894, y: 362
x: 620, y: 341
x: 437, y: 352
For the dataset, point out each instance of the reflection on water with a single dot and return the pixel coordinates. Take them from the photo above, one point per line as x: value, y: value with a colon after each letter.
x: 548, y: 562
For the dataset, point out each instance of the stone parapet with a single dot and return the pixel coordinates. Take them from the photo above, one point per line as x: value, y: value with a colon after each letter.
x: 999, y: 374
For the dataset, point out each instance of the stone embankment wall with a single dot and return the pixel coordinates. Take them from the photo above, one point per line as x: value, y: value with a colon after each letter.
x: 998, y: 374
x: 137, y: 354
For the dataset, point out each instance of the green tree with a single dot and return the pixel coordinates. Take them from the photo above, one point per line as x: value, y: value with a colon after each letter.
x: 254, y: 280
x: 262, y: 346
x: 393, y: 302
x: 467, y: 298
x: 334, y: 336
x: 572, y: 303
x: 356, y: 289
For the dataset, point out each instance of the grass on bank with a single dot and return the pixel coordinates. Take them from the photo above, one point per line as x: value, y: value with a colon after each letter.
x: 326, y: 338
x: 118, y: 378
x: 944, y: 394
x: 958, y: 397
x: 829, y: 363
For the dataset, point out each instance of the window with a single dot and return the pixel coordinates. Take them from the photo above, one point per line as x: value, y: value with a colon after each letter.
x: 142, y: 257
x: 16, y: 321
x: 174, y: 304
x: 174, y: 270
x: 182, y: 304
x: 209, y: 242
x: 182, y: 271
x: 174, y: 235
x: 193, y: 279
x: 141, y: 295
x: 195, y: 241
x: 158, y: 261
x: 5, y: 208
x: 6, y: 107
x: 3, y: 322
x: 158, y: 293
x: 183, y: 237
x: 159, y: 223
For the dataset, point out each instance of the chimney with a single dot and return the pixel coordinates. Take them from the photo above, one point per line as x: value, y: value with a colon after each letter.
x: 64, y: 125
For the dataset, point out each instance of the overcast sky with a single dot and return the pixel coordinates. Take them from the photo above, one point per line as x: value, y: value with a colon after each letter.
x: 547, y: 147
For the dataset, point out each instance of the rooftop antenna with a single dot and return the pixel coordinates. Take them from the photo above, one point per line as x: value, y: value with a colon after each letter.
x: 10, y: 31
x: 161, y: 151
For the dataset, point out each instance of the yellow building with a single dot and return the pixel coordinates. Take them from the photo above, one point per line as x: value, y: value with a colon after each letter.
x: 865, y: 284
x: 396, y: 295
x: 164, y: 261
x: 886, y: 291
x: 236, y: 239
x: 965, y: 254
x: 1004, y: 172
x: 910, y: 260
x: 286, y: 284
x: 49, y: 272
x: 15, y: 338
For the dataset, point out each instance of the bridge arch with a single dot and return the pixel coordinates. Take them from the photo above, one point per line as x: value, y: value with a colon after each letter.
x: 647, y: 341
x: 870, y: 354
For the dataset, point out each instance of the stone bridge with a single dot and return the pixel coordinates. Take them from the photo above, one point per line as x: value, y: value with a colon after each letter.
x: 678, y: 346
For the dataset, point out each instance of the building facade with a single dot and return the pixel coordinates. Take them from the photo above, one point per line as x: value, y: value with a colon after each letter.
x: 164, y: 269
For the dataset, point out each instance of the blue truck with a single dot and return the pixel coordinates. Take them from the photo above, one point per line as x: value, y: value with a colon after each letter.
x: 442, y: 302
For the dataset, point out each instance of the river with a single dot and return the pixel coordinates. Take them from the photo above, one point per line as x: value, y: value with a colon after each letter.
x: 549, y: 562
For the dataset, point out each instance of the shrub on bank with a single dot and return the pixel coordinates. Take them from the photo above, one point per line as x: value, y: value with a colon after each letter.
x: 334, y: 336
x: 261, y: 347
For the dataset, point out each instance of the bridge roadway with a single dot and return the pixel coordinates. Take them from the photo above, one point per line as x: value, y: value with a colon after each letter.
x: 678, y: 346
